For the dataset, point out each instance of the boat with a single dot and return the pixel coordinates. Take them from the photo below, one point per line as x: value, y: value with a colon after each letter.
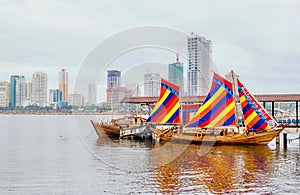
x: 165, y: 117
x: 217, y: 121
x: 113, y: 128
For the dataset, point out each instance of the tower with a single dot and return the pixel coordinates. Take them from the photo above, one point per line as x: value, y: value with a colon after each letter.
x: 176, y: 74
x: 113, y: 78
x: 64, y: 84
x: 92, y: 94
x: 200, y: 65
x: 39, y: 89
x: 151, y: 84
x: 4, y: 94
x: 17, y: 91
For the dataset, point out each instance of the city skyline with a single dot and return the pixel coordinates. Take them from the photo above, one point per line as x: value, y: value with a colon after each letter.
x: 256, y: 39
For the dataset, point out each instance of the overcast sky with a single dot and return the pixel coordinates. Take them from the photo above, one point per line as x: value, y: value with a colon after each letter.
x: 260, y: 40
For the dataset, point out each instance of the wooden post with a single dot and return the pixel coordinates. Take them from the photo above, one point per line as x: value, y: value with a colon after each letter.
x: 278, y: 139
x: 297, y: 114
x: 273, y: 109
x: 285, y: 140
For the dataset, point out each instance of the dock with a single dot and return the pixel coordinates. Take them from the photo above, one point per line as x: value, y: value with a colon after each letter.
x: 140, y: 132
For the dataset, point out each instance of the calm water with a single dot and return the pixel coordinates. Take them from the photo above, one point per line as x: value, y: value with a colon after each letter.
x: 63, y: 155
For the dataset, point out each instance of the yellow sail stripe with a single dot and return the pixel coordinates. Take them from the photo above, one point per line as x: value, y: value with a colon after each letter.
x: 170, y: 114
x: 160, y: 102
x: 250, y: 117
x: 212, y: 99
x: 242, y: 99
x: 221, y: 115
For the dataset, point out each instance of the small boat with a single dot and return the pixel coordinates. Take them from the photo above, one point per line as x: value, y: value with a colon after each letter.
x: 217, y: 119
x: 113, y: 128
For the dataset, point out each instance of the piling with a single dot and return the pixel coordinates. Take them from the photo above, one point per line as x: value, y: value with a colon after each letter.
x: 278, y: 139
x: 285, y: 140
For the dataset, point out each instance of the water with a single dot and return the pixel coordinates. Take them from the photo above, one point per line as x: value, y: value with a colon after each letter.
x: 63, y: 155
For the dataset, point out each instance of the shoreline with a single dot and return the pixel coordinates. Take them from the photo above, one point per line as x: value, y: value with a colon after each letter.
x: 64, y: 112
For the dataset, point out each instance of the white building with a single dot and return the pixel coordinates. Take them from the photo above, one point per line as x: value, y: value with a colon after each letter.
x: 39, y: 89
x: 200, y: 65
x: 151, y: 84
x: 29, y: 91
x: 4, y: 94
x: 92, y: 94
x: 76, y: 99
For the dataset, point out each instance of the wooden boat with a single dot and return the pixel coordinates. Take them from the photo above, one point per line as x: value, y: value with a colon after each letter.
x: 217, y: 119
x: 112, y: 128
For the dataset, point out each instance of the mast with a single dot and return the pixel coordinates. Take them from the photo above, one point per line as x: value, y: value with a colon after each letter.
x: 234, y: 96
x: 111, y: 101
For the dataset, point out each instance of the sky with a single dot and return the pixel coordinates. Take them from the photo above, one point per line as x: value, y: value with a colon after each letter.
x: 259, y: 40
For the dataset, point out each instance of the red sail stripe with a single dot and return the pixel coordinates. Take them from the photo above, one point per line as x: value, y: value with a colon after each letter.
x: 262, y: 126
x: 253, y: 122
x: 249, y: 112
x: 209, y: 108
x: 226, y: 117
x: 167, y: 108
x: 171, y: 85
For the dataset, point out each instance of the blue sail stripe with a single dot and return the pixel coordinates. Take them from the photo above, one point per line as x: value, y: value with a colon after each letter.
x: 229, y: 121
x: 174, y: 116
x: 246, y: 108
x: 170, y: 89
x: 257, y: 124
x: 254, y: 108
x: 211, y: 93
x: 214, y: 109
x: 223, y: 85
x: 162, y: 106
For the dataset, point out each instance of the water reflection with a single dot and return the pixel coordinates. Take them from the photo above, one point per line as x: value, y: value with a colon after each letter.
x: 234, y: 169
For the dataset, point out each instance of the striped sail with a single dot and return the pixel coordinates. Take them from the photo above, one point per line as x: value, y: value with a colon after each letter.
x: 218, y: 107
x: 167, y: 109
x: 256, y: 117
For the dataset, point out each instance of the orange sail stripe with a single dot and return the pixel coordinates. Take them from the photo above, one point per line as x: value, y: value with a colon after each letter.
x: 208, y: 109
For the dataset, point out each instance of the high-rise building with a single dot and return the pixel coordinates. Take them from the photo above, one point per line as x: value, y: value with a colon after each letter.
x: 17, y: 91
x: 64, y: 84
x: 4, y: 94
x: 76, y: 99
x: 200, y: 65
x: 113, y: 78
x: 176, y: 74
x: 134, y: 88
x: 39, y: 89
x: 29, y: 91
x: 92, y: 94
x: 151, y: 84
x: 55, y: 95
x: 116, y: 95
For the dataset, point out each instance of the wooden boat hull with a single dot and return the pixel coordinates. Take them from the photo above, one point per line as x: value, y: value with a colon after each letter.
x: 108, y: 129
x: 262, y: 138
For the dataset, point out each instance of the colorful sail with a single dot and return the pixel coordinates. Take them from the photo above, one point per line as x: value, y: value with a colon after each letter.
x: 218, y: 107
x: 256, y: 117
x: 167, y: 109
